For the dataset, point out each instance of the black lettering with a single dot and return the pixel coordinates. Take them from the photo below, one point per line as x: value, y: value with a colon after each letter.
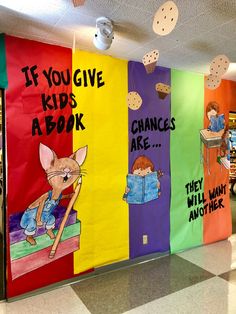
x: 146, y: 143
x: 76, y: 81
x: 99, y: 79
x: 220, y: 203
x: 48, y: 75
x: 201, y: 211
x: 50, y: 125
x: 28, y: 80
x: 133, y: 145
x: 134, y: 128
x: 190, y: 201
x: 66, y: 81
x: 60, y: 124
x: 36, y: 127
x: 159, y: 125
x: 140, y: 126
x: 172, y: 126
x: 153, y: 122
x: 63, y: 98
x: 70, y: 123
x: 34, y: 75
x: 56, y: 78
x: 92, y: 75
x: 73, y: 103
x: 78, y: 122
x: 147, y: 125
x: 45, y: 102
x: 191, y: 216
x: 85, y: 78
x: 166, y: 125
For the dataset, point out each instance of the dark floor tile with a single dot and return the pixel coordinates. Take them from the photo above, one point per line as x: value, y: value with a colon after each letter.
x: 123, y: 290
x: 233, y: 209
x: 230, y: 276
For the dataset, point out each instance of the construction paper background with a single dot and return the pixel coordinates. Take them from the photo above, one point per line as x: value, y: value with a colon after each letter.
x: 111, y: 230
x: 152, y: 218
x: 103, y: 213
x: 218, y: 225
x: 187, y: 106
x: 26, y: 178
x: 3, y: 71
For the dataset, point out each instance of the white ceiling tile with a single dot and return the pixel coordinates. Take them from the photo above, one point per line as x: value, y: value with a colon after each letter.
x: 75, y: 20
x: 29, y: 28
x: 205, y: 28
x: 150, y: 6
x: 97, y: 8
x: 229, y: 30
x: 7, y: 20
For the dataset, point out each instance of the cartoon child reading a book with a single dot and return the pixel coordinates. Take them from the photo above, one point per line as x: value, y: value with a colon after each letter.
x: 217, y: 122
x: 143, y: 183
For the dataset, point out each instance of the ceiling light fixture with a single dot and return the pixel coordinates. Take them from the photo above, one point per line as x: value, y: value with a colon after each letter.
x: 104, y: 33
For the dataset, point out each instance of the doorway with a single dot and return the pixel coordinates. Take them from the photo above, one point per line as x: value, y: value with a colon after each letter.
x: 2, y: 206
x: 232, y: 174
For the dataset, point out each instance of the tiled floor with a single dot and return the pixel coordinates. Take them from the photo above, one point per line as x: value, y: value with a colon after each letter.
x: 200, y: 280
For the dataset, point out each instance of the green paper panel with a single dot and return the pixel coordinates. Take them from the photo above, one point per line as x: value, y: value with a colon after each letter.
x: 187, y: 107
x: 3, y: 71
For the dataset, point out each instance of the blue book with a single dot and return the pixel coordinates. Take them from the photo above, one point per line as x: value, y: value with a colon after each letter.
x: 217, y: 123
x: 142, y: 189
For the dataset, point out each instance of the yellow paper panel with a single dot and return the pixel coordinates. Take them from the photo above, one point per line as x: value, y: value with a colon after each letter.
x: 103, y: 213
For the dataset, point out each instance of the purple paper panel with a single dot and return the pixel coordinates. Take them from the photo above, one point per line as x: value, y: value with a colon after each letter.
x: 151, y: 220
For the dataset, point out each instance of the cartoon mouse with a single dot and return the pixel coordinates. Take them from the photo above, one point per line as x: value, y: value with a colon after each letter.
x: 61, y: 173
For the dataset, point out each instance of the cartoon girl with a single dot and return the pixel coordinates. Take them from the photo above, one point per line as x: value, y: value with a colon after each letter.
x: 143, y: 184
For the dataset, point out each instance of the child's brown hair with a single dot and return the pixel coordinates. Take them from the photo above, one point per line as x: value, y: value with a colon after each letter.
x: 212, y: 105
x: 142, y: 162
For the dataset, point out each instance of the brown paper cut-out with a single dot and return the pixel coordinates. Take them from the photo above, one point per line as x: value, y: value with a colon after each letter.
x: 150, y: 60
x: 212, y: 81
x: 134, y: 100
x: 162, y: 90
x: 219, y: 65
x: 165, y: 18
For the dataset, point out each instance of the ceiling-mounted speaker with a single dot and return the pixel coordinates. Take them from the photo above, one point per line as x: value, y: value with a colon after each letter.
x: 78, y: 2
x: 104, y: 33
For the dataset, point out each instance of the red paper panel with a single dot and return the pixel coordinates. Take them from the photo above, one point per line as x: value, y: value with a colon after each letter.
x: 26, y: 178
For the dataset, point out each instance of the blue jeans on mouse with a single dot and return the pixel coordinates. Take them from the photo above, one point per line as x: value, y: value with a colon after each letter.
x: 28, y: 220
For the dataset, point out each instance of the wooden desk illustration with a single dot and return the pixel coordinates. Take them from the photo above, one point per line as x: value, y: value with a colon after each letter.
x: 210, y: 140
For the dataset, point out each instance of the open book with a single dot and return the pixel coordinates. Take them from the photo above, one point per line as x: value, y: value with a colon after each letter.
x: 217, y: 123
x: 142, y: 189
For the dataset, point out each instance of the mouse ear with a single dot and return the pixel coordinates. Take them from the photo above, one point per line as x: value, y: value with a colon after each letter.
x: 46, y: 156
x: 80, y: 155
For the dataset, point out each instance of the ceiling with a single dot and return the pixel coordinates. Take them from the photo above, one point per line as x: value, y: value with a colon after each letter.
x: 205, y: 29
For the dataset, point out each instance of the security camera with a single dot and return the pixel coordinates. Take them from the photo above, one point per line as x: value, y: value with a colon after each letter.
x: 104, y: 33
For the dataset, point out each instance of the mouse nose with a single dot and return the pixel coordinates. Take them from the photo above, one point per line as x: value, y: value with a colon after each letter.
x: 66, y: 170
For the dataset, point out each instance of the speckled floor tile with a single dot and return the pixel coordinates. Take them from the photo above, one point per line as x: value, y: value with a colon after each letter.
x: 3, y: 307
x: 216, y: 258
x: 59, y: 301
x: 230, y: 277
x: 213, y: 296
x: 122, y: 290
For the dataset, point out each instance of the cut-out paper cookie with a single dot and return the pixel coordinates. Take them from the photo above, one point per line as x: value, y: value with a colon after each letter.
x: 212, y: 81
x: 162, y: 90
x: 150, y: 60
x: 165, y: 18
x: 134, y: 100
x: 219, y: 65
